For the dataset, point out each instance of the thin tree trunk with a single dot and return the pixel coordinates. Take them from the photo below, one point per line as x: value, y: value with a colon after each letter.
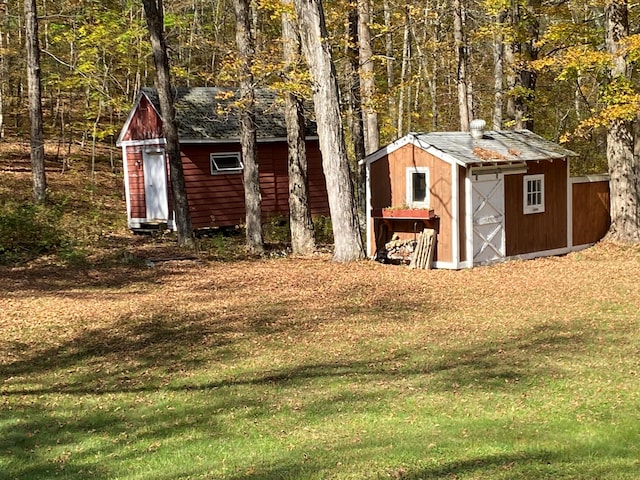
x: 519, y: 53
x: 300, y: 221
x: 354, y: 100
x: 35, y: 101
x: 498, y: 73
x: 389, y: 54
x: 461, y: 61
x: 406, y: 54
x: 155, y: 23
x: 252, y: 196
x: 4, y: 30
x: 367, y: 79
x: 344, y: 219
x: 624, y: 166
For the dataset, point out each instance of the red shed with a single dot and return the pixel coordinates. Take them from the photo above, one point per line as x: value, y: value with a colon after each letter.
x: 489, y: 196
x: 209, y: 133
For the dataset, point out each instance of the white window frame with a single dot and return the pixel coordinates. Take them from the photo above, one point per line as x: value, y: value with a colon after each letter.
x: 215, y: 170
x: 409, y: 187
x: 535, y: 206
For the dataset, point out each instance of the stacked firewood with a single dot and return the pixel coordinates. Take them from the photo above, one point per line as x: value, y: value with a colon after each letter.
x: 399, y: 250
x: 417, y: 253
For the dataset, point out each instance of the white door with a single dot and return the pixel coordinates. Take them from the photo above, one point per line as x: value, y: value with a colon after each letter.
x: 155, y: 185
x: 488, y: 218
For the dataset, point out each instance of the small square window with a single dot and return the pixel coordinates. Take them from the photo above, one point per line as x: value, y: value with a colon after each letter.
x: 533, y: 193
x: 417, y: 187
x: 225, y: 162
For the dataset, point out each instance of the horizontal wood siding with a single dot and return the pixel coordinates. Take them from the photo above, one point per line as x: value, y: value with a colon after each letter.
x: 591, y: 217
x: 136, y: 183
x: 218, y: 200
x: 145, y: 123
x: 388, y: 189
x: 537, y: 232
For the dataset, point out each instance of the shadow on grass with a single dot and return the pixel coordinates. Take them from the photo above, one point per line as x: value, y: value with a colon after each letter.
x: 38, y: 439
x: 136, y: 355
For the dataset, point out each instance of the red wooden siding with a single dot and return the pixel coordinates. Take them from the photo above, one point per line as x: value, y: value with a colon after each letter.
x: 591, y: 219
x: 136, y: 183
x: 540, y: 231
x: 145, y: 123
x: 218, y: 200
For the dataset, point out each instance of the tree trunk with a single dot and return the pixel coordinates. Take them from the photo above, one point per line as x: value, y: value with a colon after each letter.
x: 389, y: 54
x: 356, y: 112
x: 498, y: 73
x: 155, y: 24
x: 406, y: 58
x: 300, y: 221
x: 344, y: 219
x: 624, y: 166
x: 520, y: 53
x: 462, y: 62
x: 367, y: 80
x: 35, y: 102
x: 252, y: 197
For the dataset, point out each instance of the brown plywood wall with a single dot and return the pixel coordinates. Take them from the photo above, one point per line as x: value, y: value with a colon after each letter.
x: 591, y: 218
x: 388, y: 189
x: 528, y: 233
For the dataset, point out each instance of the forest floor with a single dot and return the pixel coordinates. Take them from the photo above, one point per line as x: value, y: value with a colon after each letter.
x: 143, y: 362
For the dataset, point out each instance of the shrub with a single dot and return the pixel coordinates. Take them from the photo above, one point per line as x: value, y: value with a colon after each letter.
x: 28, y: 231
x: 323, y: 229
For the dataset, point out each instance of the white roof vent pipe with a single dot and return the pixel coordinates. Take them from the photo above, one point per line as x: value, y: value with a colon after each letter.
x: 477, y: 128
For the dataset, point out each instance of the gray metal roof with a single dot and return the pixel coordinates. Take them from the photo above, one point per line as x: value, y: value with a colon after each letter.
x: 210, y: 113
x: 494, y: 146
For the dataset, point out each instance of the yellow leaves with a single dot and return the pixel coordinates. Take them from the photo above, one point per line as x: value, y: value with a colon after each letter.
x: 624, y: 107
x: 495, y: 7
x: 573, y: 60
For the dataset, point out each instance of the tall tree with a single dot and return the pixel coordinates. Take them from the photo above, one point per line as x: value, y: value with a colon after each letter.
x: 252, y: 196
x: 624, y: 166
x: 155, y: 22
x: 462, y: 62
x: 317, y: 51
x: 354, y: 102
x: 367, y: 79
x: 520, y: 53
x: 300, y: 221
x: 35, y: 101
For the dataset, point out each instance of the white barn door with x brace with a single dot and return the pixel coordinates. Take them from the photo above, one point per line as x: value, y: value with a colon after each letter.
x: 488, y: 218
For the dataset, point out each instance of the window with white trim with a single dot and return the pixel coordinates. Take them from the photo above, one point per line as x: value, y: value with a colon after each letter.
x: 533, y: 191
x: 228, y: 162
x: 417, y: 187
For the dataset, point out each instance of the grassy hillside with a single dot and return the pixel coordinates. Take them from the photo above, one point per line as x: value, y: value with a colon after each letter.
x: 85, y: 211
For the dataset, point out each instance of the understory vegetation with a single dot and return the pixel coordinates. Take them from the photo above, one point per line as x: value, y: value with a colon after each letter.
x: 139, y: 361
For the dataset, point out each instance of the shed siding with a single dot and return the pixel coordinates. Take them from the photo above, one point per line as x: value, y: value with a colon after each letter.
x: 388, y: 189
x: 136, y: 183
x: 540, y: 231
x: 145, y: 123
x: 218, y: 200
x: 591, y: 219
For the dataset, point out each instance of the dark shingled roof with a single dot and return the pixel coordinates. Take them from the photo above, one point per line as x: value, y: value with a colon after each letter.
x: 211, y: 113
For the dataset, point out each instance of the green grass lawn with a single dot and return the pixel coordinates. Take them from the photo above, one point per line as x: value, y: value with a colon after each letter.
x: 304, y: 369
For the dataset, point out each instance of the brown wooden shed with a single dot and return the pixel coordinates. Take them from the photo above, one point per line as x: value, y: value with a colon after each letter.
x: 209, y: 134
x: 490, y: 196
